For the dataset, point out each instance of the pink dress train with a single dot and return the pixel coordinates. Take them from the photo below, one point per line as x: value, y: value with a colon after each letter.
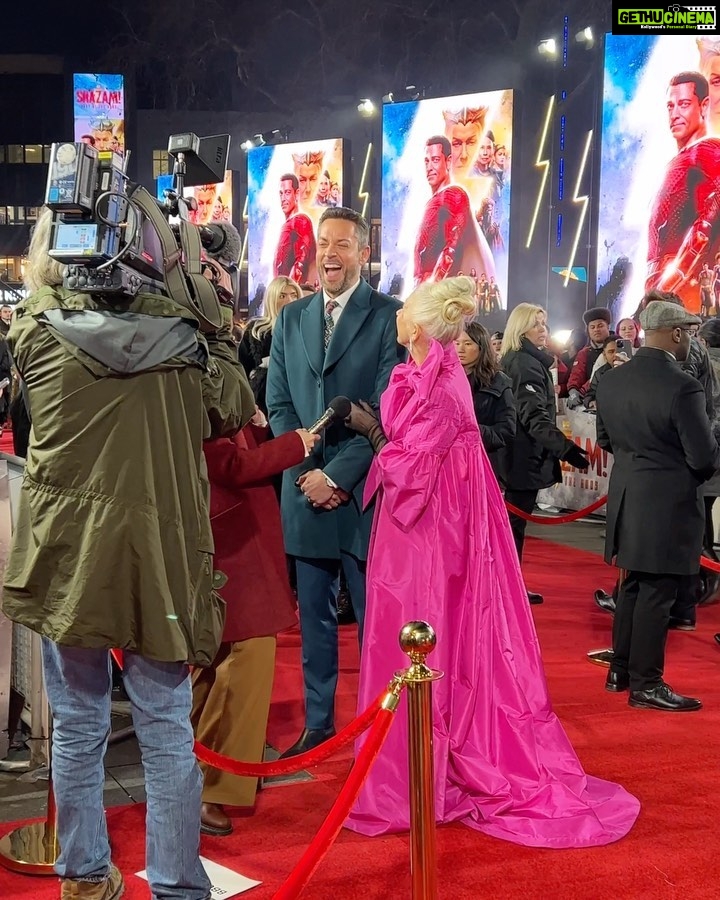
x: 442, y: 551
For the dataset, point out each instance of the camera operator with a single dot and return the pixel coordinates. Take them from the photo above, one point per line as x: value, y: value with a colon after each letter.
x: 112, y: 548
x: 652, y: 417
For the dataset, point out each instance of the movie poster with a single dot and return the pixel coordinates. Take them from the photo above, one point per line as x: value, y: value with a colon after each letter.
x: 446, y: 194
x: 659, y: 224
x: 99, y: 111
x: 283, y: 212
x: 214, y: 201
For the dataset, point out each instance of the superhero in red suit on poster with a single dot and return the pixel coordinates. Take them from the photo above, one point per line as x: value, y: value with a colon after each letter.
x: 296, y: 249
x: 449, y: 241
x: 684, y: 227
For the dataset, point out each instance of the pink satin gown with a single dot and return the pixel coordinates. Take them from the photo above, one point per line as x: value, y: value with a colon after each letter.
x: 442, y: 551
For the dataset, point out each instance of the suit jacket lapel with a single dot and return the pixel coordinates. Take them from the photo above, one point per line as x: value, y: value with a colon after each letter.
x: 356, y: 311
x: 311, y: 331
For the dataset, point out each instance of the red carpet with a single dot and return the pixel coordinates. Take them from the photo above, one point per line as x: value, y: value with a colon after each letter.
x: 670, y: 761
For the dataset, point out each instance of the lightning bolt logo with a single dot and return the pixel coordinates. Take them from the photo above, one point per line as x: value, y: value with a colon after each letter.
x: 243, y: 252
x: 542, y: 162
x: 579, y: 198
x: 363, y: 194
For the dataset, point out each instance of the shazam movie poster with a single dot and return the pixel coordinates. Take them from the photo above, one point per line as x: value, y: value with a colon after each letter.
x: 446, y: 174
x: 659, y: 224
x: 99, y: 111
x: 289, y: 188
x: 214, y: 201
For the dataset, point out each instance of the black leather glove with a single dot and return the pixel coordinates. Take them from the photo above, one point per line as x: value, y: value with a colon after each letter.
x: 364, y: 420
x: 577, y: 458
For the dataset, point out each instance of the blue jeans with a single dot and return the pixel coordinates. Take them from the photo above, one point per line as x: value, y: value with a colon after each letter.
x: 78, y: 685
x: 317, y: 581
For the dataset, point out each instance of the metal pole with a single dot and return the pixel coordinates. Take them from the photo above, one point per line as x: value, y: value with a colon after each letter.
x: 417, y: 640
x: 33, y: 849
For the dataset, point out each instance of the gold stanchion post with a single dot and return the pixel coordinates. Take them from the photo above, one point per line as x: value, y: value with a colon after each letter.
x: 418, y: 640
x: 33, y: 849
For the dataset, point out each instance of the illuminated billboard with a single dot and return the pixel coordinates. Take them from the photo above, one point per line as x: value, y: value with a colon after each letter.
x: 659, y: 223
x: 99, y: 110
x: 446, y: 173
x: 289, y: 187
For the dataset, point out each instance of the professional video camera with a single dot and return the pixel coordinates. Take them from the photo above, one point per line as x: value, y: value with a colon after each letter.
x: 116, y: 239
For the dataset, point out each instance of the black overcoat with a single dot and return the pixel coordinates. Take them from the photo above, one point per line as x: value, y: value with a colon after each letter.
x: 651, y: 416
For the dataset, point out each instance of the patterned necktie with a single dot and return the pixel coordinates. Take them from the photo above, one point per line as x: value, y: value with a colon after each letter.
x: 329, y: 321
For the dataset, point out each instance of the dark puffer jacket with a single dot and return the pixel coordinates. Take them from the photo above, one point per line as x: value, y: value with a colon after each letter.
x: 532, y: 460
x: 495, y: 414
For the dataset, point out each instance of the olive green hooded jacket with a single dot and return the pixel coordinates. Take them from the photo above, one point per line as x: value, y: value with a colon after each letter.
x: 112, y: 545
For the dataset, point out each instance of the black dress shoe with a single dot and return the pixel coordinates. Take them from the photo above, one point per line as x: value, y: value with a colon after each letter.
x: 681, y: 624
x: 617, y: 682
x: 308, y: 740
x: 664, y: 698
x: 600, y: 657
x: 717, y: 638
x: 605, y: 601
x: 535, y: 599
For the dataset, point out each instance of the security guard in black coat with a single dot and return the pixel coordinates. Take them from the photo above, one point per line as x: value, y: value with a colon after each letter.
x: 651, y: 416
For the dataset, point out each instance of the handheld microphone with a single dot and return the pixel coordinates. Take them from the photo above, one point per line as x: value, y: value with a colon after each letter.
x: 221, y: 240
x: 339, y: 408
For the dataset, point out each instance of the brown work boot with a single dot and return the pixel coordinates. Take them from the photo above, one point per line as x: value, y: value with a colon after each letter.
x: 109, y: 889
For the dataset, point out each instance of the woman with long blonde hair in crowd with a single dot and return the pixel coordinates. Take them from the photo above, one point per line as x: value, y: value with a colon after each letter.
x: 442, y: 551
x: 254, y: 348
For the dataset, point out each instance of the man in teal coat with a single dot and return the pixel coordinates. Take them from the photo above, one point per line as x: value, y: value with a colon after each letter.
x: 339, y: 341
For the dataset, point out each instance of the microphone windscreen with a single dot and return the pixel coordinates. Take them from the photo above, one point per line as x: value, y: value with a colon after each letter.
x: 231, y: 246
x: 341, y: 407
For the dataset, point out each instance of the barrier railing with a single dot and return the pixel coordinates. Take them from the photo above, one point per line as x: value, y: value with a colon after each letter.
x: 32, y: 849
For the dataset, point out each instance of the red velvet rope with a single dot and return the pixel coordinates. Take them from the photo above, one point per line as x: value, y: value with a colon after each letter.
x: 557, y: 520
x: 330, y: 828
x: 298, y: 763
x: 708, y: 563
x: 705, y: 561
x: 295, y: 763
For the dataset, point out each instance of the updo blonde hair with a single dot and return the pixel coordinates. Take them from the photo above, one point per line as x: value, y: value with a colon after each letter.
x: 442, y: 308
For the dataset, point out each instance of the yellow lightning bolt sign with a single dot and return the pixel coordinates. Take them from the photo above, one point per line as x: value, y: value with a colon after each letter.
x: 542, y: 162
x: 245, y: 236
x: 363, y: 194
x: 578, y: 198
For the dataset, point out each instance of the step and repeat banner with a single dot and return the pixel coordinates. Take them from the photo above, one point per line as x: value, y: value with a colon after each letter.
x: 659, y: 224
x: 580, y: 489
x: 446, y: 183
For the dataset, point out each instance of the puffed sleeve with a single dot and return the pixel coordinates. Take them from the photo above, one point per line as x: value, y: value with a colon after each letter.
x: 407, y: 467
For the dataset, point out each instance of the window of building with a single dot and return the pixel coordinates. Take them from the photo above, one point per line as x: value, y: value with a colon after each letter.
x: 18, y: 215
x: 15, y: 153
x: 2, y: 153
x: 161, y: 163
x: 46, y: 153
x: 33, y: 153
x: 11, y: 268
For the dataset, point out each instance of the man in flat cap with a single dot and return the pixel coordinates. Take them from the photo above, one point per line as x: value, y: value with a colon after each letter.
x: 651, y: 416
x: 597, y: 324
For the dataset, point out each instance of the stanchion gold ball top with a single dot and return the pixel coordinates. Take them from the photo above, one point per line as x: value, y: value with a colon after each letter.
x: 417, y: 638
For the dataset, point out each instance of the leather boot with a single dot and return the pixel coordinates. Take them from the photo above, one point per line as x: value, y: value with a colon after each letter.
x: 214, y: 820
x: 110, y: 889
